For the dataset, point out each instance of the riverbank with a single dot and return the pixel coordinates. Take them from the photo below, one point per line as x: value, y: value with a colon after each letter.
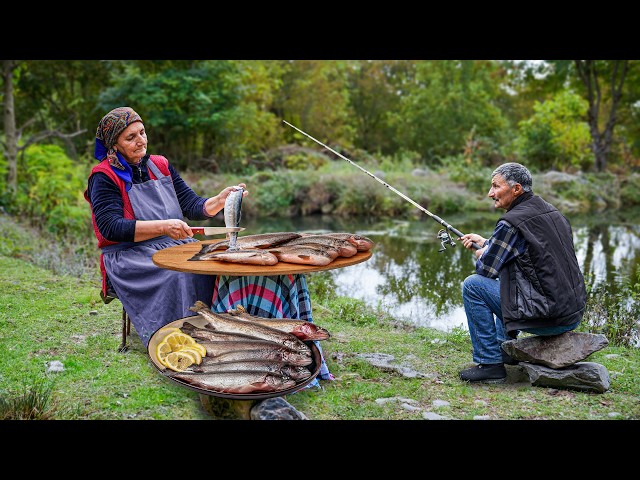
x: 52, y: 320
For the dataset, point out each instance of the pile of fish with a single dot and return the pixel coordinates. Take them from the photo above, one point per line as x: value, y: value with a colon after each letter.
x: 291, y: 247
x: 249, y: 354
x: 271, y: 248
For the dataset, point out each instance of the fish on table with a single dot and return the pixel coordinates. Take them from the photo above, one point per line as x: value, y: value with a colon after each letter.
x: 362, y: 243
x: 311, y: 254
x: 258, y: 240
x: 250, y: 256
x: 344, y: 247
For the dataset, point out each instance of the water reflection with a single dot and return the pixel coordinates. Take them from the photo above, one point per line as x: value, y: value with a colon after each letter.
x: 408, y: 275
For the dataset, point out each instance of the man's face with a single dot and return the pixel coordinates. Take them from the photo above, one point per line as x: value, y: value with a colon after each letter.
x: 502, y: 194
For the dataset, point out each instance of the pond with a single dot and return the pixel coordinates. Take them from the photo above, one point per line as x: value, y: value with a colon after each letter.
x: 411, y: 278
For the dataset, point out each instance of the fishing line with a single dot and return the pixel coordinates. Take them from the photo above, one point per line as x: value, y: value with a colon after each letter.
x: 435, y: 217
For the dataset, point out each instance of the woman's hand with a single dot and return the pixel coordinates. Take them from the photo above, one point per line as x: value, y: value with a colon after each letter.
x: 214, y: 204
x: 176, y: 229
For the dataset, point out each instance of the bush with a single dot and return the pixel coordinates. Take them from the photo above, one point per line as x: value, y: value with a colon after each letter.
x: 556, y: 136
x: 32, y: 403
x: 630, y: 190
x: 50, y: 188
x: 615, y: 315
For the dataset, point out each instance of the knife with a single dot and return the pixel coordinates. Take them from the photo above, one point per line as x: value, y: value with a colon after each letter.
x: 215, y: 230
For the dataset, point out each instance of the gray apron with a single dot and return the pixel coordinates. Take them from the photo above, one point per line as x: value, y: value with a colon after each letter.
x: 153, y: 296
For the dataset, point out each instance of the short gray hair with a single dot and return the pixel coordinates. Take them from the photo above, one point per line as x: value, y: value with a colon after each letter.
x: 515, y: 173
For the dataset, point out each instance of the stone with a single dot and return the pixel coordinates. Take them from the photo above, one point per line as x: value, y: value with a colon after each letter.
x: 223, y: 408
x: 433, y: 416
x: 387, y: 362
x: 582, y: 376
x: 276, y: 408
x: 555, y: 351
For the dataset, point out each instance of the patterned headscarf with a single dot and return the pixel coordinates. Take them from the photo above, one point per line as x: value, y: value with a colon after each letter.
x: 109, y: 129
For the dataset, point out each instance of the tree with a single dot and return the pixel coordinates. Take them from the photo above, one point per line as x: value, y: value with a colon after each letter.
x: 10, y: 145
x: 201, y: 114
x: 590, y: 73
x: 446, y: 100
x: 314, y: 97
x: 556, y: 135
x: 38, y: 128
x: 375, y: 90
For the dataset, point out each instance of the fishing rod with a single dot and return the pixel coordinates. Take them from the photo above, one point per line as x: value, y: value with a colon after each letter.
x: 443, y: 235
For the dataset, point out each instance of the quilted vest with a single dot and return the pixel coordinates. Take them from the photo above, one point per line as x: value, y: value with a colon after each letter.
x: 544, y: 286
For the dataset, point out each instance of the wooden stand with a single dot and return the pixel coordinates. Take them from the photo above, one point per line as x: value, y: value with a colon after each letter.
x: 178, y: 258
x: 226, y: 408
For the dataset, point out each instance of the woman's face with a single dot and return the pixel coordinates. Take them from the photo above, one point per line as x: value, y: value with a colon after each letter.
x: 132, y: 142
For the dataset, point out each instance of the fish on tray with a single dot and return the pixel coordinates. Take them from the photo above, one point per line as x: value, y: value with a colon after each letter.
x: 295, y: 372
x: 302, y: 329
x: 275, y: 352
x: 212, y: 335
x: 236, y: 381
x: 254, y: 329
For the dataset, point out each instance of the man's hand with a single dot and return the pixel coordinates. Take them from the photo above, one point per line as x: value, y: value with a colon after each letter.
x: 470, y: 238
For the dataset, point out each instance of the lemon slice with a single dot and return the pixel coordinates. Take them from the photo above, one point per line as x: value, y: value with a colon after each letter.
x: 178, y: 340
x: 201, y: 348
x: 196, y: 353
x: 166, y: 330
x: 179, y: 360
x: 162, y: 350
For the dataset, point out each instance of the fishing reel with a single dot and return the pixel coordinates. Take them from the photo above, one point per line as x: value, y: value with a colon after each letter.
x: 445, y: 238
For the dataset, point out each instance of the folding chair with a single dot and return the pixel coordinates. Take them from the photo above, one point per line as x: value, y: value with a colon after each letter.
x: 126, y: 321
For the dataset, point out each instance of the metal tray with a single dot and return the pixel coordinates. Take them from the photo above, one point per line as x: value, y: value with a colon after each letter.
x: 200, y: 321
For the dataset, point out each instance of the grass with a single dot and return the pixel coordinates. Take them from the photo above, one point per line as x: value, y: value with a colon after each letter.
x: 47, y: 317
x: 50, y: 310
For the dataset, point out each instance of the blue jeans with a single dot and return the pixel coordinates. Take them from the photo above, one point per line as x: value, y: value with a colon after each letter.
x: 481, y: 298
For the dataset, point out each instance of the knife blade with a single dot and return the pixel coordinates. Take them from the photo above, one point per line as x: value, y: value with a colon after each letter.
x: 214, y: 230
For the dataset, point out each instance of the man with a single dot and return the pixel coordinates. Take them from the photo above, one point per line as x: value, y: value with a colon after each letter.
x: 527, y: 275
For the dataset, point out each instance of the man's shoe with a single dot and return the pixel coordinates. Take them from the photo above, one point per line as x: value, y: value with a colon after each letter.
x: 508, y: 359
x: 487, y: 373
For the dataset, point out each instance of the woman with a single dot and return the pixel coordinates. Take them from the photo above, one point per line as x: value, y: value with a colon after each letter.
x: 137, y: 204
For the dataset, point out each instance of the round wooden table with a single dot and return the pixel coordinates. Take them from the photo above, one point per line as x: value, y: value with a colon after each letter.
x: 177, y: 258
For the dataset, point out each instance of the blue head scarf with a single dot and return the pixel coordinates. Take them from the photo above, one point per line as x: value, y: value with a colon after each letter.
x: 109, y: 129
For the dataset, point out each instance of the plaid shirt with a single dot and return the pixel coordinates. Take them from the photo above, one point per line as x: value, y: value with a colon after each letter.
x: 505, y: 245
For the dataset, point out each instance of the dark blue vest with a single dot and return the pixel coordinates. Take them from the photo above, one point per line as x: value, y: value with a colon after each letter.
x: 544, y: 286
